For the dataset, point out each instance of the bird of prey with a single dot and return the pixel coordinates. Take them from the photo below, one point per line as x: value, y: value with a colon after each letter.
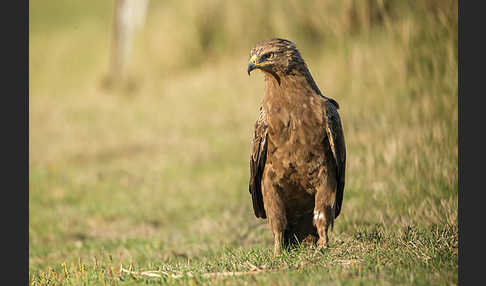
x: 298, y: 154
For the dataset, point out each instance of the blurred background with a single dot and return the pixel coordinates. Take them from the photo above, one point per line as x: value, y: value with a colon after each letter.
x: 148, y: 159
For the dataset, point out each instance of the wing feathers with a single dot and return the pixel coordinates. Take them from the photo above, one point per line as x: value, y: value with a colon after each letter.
x: 257, y: 164
x: 335, y: 134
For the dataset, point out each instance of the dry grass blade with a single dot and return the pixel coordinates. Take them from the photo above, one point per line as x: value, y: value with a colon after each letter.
x: 159, y: 273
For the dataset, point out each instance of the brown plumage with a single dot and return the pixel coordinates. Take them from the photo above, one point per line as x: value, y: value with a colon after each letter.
x: 298, y: 155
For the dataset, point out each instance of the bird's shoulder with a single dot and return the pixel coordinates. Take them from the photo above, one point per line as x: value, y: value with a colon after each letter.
x: 333, y: 102
x: 259, y: 131
x: 331, y: 108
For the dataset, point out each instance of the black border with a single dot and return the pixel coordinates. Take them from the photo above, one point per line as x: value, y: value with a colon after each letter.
x: 471, y: 94
x: 15, y: 139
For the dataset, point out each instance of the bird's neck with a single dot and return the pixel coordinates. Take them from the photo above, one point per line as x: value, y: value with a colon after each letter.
x: 304, y: 72
x: 283, y: 84
x: 277, y: 83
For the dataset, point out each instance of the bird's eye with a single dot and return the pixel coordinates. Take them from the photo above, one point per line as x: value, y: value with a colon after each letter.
x: 267, y: 57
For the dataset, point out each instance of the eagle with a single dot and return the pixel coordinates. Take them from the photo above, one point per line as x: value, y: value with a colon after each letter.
x: 298, y: 153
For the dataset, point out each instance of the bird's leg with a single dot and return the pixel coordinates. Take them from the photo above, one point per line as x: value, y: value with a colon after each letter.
x: 322, y: 220
x: 324, y: 213
x: 278, y: 223
x: 277, y: 219
x: 277, y: 243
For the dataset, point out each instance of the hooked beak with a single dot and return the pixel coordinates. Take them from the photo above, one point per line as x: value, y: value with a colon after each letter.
x: 252, y: 64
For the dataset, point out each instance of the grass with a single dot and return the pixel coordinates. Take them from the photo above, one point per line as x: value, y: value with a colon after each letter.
x: 154, y: 175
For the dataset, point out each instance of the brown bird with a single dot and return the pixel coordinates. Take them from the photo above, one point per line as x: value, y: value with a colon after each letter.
x: 298, y: 154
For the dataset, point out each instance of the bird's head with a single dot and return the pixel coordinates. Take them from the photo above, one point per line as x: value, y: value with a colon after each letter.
x: 274, y: 56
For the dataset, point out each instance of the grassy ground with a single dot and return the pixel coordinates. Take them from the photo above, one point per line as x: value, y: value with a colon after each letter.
x: 153, y: 175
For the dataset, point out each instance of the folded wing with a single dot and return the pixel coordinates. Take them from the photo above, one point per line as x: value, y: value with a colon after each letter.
x: 335, y: 134
x: 257, y: 164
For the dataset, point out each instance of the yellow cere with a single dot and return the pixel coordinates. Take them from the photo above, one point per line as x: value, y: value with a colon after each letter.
x: 264, y: 63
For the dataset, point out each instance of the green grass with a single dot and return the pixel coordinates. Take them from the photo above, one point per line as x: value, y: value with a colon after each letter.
x: 154, y: 175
